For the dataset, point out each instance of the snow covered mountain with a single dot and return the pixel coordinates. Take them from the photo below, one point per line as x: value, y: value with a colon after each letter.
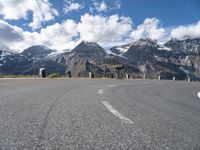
x: 37, y: 51
x: 187, y: 45
x: 180, y: 58
x: 124, y: 48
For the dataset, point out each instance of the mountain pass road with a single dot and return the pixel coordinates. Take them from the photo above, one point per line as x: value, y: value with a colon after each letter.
x: 86, y: 114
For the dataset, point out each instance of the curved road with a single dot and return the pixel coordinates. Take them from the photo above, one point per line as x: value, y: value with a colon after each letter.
x: 99, y: 114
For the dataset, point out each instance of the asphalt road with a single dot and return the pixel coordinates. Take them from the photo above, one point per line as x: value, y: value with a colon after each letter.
x: 81, y: 114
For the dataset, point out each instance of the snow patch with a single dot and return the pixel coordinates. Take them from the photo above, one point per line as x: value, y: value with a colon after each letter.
x: 120, y: 55
x: 184, y: 70
x: 123, y: 49
x: 3, y: 55
x: 55, y: 53
x: 165, y: 48
x: 186, y: 58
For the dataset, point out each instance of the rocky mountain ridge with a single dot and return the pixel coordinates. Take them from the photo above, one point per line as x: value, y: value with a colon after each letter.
x: 179, y: 58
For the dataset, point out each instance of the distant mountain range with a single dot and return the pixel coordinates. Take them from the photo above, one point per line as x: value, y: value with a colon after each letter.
x: 179, y: 58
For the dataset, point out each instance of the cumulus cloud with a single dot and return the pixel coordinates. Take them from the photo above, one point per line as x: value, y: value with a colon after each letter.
x: 104, y: 29
x: 186, y: 31
x: 65, y: 35
x: 42, y: 11
x: 151, y: 28
x: 13, y: 9
x: 56, y: 36
x: 10, y: 34
x: 71, y: 6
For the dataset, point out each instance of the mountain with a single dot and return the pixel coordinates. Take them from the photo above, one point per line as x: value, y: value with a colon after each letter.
x: 147, y: 57
x: 187, y: 54
x: 13, y: 63
x: 89, y: 50
x: 174, y: 58
x: 141, y: 50
x: 179, y: 58
x: 120, y: 50
x: 187, y: 45
x: 28, y: 62
x: 37, y: 51
x: 84, y: 58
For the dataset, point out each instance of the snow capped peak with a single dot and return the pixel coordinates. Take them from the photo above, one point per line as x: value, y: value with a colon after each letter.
x: 85, y: 46
x: 187, y: 45
x: 142, y: 42
x: 42, y: 47
x: 145, y: 42
x: 37, y: 51
x: 90, y: 44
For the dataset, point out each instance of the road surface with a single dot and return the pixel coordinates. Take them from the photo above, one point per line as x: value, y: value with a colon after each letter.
x: 85, y: 114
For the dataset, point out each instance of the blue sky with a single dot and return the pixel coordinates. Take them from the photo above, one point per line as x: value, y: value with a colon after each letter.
x: 170, y: 12
x: 108, y: 22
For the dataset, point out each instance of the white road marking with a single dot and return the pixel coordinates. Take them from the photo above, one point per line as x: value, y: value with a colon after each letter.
x: 100, y: 91
x: 112, y: 85
x: 198, y: 94
x: 116, y: 113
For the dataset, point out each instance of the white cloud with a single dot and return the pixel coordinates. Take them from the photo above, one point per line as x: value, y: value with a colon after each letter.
x: 42, y: 11
x: 100, y: 6
x: 13, y: 9
x: 71, y: 6
x: 57, y: 36
x: 151, y: 28
x: 104, y: 29
x: 104, y: 6
x: 10, y: 34
x: 117, y: 4
x: 186, y: 31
